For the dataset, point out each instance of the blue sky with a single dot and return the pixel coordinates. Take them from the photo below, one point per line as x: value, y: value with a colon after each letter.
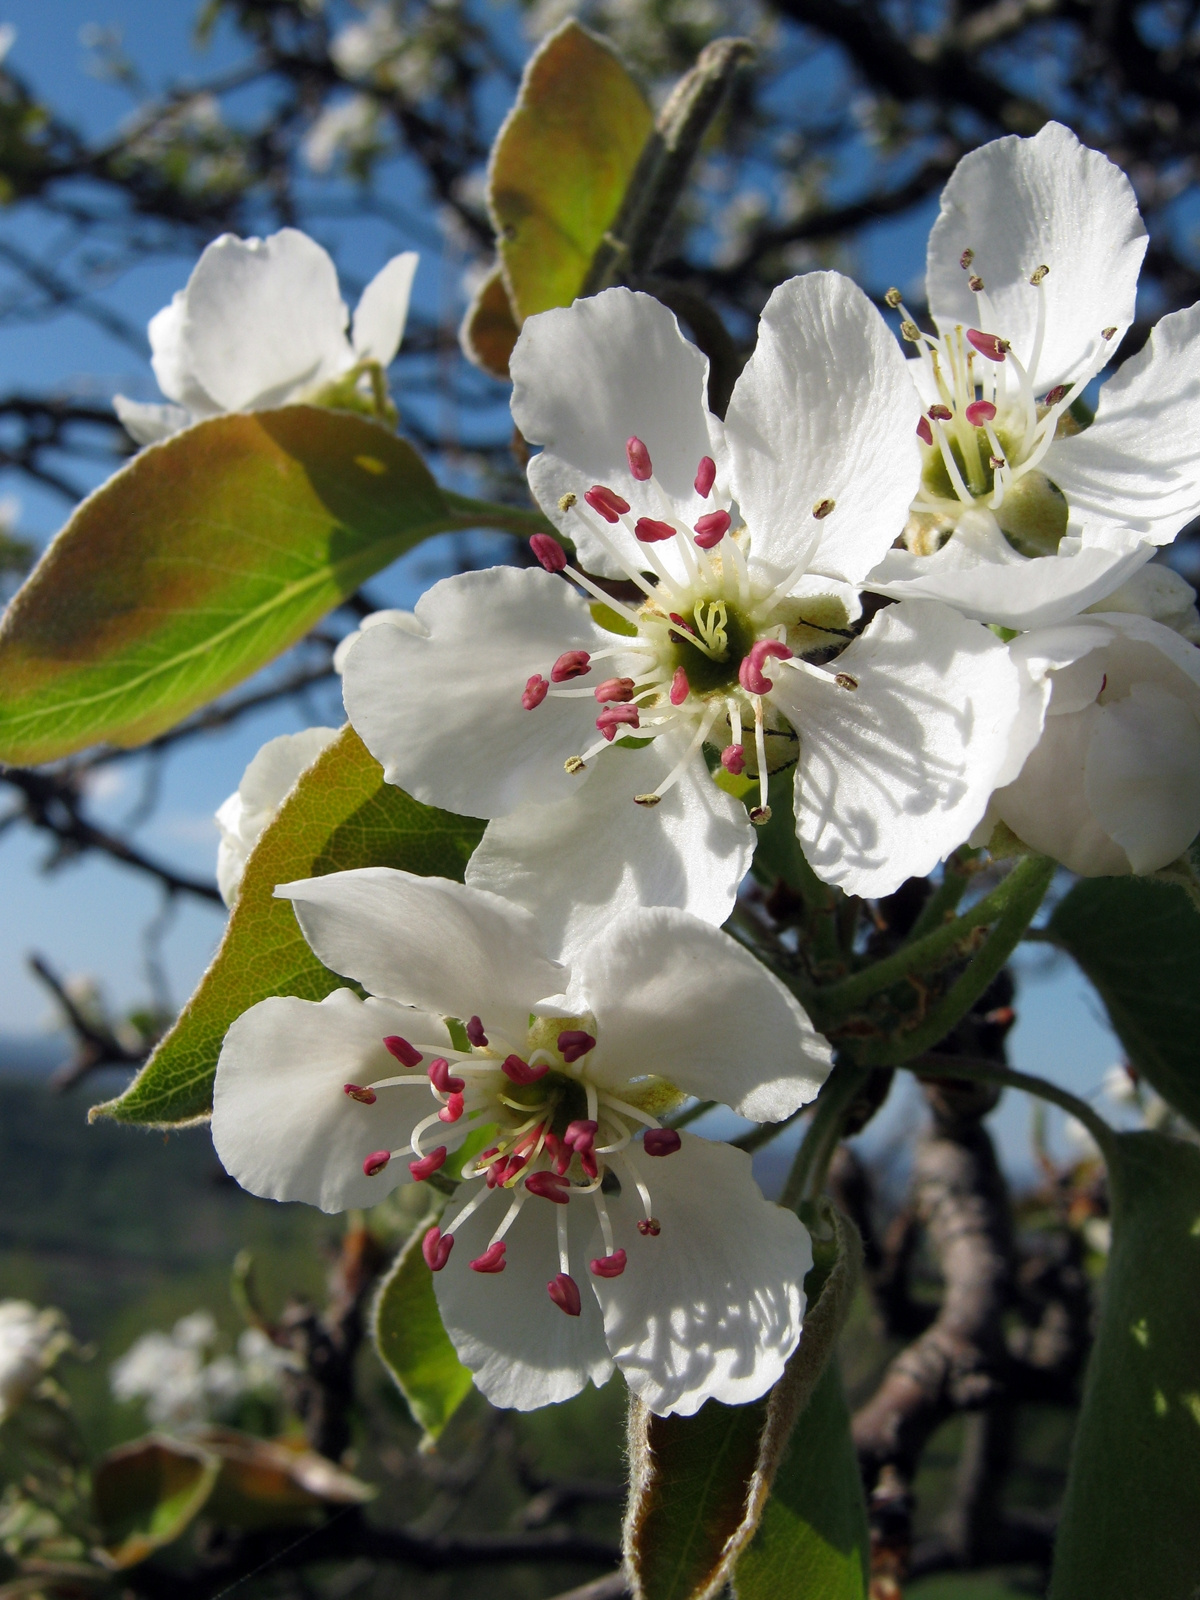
x: 90, y: 917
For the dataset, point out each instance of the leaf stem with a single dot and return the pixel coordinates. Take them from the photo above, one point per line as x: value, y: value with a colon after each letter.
x: 945, y: 1066
x: 807, y: 1177
x: 1032, y: 874
x: 468, y: 513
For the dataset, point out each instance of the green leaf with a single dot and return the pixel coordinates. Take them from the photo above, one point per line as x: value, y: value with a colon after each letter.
x: 198, y: 563
x: 146, y: 1493
x: 489, y: 329
x: 701, y: 1483
x: 1131, y: 1516
x: 340, y: 815
x: 413, y: 1344
x: 560, y: 166
x: 1139, y: 942
x: 813, y: 1538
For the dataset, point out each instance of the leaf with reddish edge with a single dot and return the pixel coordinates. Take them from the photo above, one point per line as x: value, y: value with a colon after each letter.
x: 489, y: 329
x: 560, y: 166
x: 700, y: 1484
x: 340, y: 815
x: 146, y: 1494
x: 412, y: 1343
x: 198, y: 563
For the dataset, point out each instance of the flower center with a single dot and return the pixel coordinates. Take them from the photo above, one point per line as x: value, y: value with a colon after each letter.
x: 986, y: 434
x: 694, y: 653
x: 539, y: 1127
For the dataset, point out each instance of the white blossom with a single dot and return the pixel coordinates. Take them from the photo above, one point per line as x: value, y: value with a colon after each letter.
x: 748, y: 540
x: 181, y: 1382
x: 262, y: 323
x: 1022, y: 518
x: 572, y: 1245
x: 31, y: 1340
x: 255, y: 802
x: 391, y: 617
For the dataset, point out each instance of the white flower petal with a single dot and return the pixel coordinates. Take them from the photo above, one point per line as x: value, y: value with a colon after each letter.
x: 580, y: 863
x: 389, y: 617
x: 382, y: 311
x: 895, y: 773
x: 1020, y: 204
x: 588, y: 377
x: 824, y: 410
x: 263, y: 318
x: 677, y: 996
x: 523, y: 1351
x: 1158, y: 592
x: 171, y: 359
x: 1020, y: 592
x: 1137, y: 468
x: 712, y: 1308
x: 428, y: 942
x: 443, y: 713
x: 265, y: 785
x: 1142, y: 775
x: 282, y: 1123
x: 146, y: 423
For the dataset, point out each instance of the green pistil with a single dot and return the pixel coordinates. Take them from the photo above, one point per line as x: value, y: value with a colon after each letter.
x: 705, y: 674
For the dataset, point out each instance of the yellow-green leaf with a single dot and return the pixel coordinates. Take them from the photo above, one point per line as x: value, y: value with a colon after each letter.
x: 198, y: 563
x: 340, y: 815
x: 145, y: 1494
x: 268, y: 1483
x: 560, y: 166
x: 413, y: 1344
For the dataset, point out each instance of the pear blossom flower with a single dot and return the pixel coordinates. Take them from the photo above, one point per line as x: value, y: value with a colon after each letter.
x: 389, y: 617
x: 1022, y: 517
x: 584, y: 1233
x: 262, y: 323
x: 1113, y: 783
x: 744, y: 543
x: 255, y: 802
x: 30, y: 1343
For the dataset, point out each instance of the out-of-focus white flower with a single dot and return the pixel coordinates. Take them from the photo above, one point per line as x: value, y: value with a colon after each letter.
x: 564, y: 1067
x: 348, y: 128
x: 265, y: 785
x: 1022, y: 518
x: 262, y: 323
x: 1156, y: 592
x: 172, y: 1373
x: 406, y: 621
x: 1082, y: 1145
x: 31, y: 1341
x: 1120, y: 1086
x: 1097, y: 1232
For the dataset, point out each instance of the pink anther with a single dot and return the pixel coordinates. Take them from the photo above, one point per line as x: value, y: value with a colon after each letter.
x: 452, y: 1110
x: 475, y: 1033
x: 548, y: 551
x: 680, y: 687
x: 712, y: 528
x: 614, y: 717
x: 365, y: 1097
x: 564, y: 1291
x: 733, y: 759
x: 535, y: 691
x: 402, y: 1050
x: 614, y: 691
x: 988, y: 344
x: 519, y: 1071
x: 750, y: 673
x: 661, y: 1141
x: 587, y: 1160
x: 608, y: 1266
x: 650, y: 1227
x: 979, y: 412
x: 436, y: 1247
x: 1053, y: 396
x: 428, y: 1165
x: 549, y: 1186
x: 573, y: 1043
x: 651, y: 531
x: 571, y: 664
x: 492, y: 1259
x: 439, y: 1077
x: 581, y: 1134
x: 639, y: 459
x: 607, y: 503
x: 924, y: 431
x: 376, y: 1161
x: 706, y: 476
x: 941, y: 413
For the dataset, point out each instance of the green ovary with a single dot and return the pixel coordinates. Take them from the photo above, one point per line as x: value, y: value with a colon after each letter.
x: 706, y: 675
x: 1033, y: 513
